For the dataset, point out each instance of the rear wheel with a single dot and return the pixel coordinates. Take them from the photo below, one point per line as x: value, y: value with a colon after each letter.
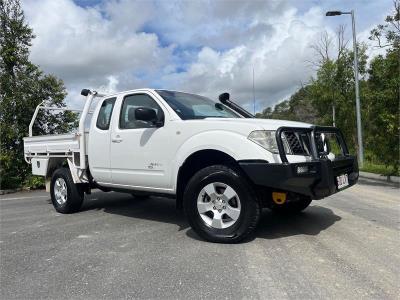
x: 67, y: 197
x: 292, y: 206
x: 220, y: 205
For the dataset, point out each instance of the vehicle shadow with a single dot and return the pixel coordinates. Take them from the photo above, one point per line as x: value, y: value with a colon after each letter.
x: 311, y: 221
x: 159, y: 209
x: 271, y: 226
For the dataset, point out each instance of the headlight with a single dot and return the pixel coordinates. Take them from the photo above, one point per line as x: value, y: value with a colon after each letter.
x: 265, y: 138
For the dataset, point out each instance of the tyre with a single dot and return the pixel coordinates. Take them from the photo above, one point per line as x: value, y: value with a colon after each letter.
x: 67, y: 197
x: 220, y: 205
x: 292, y: 207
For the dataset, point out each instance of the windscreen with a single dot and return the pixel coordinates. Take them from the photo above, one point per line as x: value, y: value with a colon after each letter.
x: 190, y: 106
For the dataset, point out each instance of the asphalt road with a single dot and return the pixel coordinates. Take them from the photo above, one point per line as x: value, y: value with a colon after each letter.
x: 345, y: 246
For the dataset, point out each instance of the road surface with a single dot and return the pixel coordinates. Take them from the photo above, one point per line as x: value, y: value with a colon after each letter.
x: 344, y: 247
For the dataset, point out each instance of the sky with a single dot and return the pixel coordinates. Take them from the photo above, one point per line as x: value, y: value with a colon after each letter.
x: 204, y: 47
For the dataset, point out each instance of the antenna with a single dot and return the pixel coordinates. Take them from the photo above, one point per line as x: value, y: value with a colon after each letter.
x: 254, y: 96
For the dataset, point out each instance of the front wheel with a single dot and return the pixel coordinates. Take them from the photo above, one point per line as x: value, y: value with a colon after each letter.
x: 220, y: 205
x: 67, y: 197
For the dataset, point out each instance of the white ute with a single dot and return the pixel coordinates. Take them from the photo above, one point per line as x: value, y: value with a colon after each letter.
x: 220, y: 163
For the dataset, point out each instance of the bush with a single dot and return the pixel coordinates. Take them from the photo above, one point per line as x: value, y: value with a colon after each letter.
x: 9, y: 182
x: 9, y: 179
x: 35, y: 182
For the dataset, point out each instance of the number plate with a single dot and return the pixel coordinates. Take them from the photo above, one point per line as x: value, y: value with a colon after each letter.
x: 342, y: 181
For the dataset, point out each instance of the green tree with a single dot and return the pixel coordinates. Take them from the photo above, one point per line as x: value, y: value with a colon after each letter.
x: 334, y: 86
x: 383, y: 98
x: 297, y: 108
x: 388, y: 34
x: 383, y: 133
x: 301, y: 108
x: 23, y: 86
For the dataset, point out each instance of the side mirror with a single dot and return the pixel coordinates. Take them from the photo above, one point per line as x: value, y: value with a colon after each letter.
x: 148, y: 115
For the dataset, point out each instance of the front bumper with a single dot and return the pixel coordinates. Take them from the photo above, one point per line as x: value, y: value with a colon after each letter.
x: 316, y: 179
x: 317, y: 183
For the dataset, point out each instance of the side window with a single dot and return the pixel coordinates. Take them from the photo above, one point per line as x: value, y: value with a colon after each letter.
x: 105, y: 112
x: 127, y: 118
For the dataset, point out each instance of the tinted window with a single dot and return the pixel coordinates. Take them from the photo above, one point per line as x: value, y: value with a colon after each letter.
x: 190, y: 106
x: 104, y: 117
x: 128, y: 120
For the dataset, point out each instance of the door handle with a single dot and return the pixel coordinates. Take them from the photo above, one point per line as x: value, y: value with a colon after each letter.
x: 117, y: 139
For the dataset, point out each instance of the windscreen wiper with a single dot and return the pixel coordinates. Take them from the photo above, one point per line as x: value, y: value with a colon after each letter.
x: 224, y: 99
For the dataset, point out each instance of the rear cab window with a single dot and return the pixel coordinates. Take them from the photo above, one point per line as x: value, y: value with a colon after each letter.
x: 105, y: 112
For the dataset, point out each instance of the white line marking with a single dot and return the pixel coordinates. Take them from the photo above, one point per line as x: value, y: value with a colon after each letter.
x: 8, y: 199
x: 83, y: 236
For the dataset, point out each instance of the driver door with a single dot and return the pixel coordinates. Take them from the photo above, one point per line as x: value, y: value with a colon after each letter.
x: 138, y: 156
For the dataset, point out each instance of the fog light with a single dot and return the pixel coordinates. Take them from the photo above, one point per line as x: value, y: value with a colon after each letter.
x: 302, y: 169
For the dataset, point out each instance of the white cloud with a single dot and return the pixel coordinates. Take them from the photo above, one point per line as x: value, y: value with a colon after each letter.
x: 278, y: 56
x: 87, y: 46
x: 206, y: 47
x: 128, y: 16
x: 111, y: 86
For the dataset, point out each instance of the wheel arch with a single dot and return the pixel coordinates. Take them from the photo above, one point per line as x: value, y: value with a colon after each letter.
x: 54, y: 163
x: 197, y: 161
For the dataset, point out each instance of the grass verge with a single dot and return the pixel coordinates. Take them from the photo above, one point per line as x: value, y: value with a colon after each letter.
x: 379, y: 169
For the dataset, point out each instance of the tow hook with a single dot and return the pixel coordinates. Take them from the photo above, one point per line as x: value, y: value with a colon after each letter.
x: 279, y: 198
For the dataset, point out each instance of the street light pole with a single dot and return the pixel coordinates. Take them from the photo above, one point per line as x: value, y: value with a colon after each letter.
x: 358, y: 106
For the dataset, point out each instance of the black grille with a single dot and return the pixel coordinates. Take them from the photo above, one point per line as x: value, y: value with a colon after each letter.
x: 307, y: 141
x: 294, y: 143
